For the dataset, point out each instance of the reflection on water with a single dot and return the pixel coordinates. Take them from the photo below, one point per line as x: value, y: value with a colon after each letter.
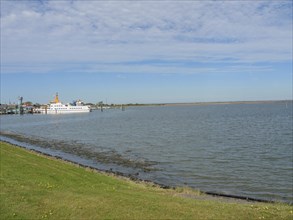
x: 234, y: 149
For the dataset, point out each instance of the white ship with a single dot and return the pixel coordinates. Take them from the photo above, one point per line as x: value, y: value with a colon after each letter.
x: 56, y: 107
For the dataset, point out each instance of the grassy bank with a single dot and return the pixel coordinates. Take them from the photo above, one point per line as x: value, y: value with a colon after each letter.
x: 37, y: 187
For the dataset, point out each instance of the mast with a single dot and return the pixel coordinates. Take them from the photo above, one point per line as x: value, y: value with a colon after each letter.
x: 20, y: 105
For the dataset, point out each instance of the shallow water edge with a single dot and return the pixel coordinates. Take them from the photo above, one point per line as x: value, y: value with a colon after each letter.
x: 85, y: 163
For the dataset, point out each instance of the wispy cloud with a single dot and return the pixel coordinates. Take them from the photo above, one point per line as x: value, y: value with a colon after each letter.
x: 91, y: 36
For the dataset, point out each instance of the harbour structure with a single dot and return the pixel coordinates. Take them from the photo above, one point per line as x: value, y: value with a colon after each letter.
x: 57, y: 107
x: 8, y: 109
x: 20, y: 107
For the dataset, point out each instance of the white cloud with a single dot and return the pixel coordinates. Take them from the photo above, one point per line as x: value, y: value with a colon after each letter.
x: 99, y: 32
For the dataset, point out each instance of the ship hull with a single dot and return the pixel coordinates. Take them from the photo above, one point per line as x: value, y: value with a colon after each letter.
x: 63, y: 111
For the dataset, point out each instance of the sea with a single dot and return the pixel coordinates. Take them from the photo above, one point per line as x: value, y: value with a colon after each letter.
x: 232, y: 149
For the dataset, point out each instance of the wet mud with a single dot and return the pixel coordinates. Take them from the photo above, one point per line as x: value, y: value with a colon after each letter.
x: 84, y: 151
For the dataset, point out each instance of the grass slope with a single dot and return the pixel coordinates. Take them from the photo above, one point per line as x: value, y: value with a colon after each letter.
x: 36, y: 187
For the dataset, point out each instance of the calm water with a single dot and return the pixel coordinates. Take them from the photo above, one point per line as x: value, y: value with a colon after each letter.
x: 234, y: 149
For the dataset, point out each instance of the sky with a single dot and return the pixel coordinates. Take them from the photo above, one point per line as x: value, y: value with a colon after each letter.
x: 146, y: 51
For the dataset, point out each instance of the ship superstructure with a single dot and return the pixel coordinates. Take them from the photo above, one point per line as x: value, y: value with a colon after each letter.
x: 57, y: 107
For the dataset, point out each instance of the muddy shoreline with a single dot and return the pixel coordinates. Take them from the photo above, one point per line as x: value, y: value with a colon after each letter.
x: 130, y: 176
x: 83, y: 151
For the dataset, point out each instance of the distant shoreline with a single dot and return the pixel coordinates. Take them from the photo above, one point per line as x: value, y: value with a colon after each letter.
x: 211, y: 103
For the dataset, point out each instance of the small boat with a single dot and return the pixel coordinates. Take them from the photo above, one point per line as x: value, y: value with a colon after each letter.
x: 56, y: 107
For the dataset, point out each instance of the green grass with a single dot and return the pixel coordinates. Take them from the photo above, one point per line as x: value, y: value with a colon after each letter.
x: 37, y: 187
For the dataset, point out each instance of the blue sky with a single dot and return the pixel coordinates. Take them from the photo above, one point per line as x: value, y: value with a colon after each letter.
x: 146, y: 51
